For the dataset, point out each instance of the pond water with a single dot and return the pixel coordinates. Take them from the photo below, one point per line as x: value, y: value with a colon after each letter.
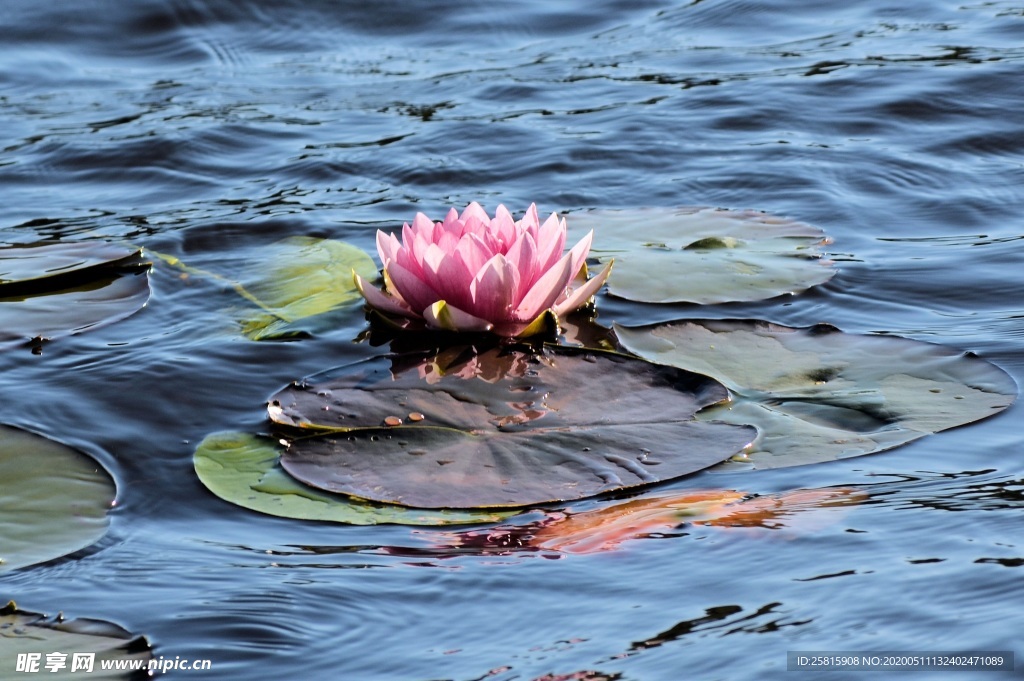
x: 207, y: 130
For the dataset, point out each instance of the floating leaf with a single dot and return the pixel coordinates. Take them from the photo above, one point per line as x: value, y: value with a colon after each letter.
x: 818, y: 394
x: 27, y: 269
x: 51, y: 290
x: 242, y: 469
x: 705, y: 255
x: 78, y: 648
x: 292, y: 280
x: 53, y: 501
x: 70, y: 311
x: 502, y: 428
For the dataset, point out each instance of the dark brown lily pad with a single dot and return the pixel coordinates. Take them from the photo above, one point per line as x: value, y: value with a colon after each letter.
x: 56, y: 289
x: 818, y: 394
x: 71, y: 311
x: 501, y: 429
x: 68, y: 649
x: 242, y: 469
x: 27, y: 269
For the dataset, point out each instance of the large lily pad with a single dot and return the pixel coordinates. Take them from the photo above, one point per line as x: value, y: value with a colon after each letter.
x: 53, y: 500
x: 817, y: 394
x: 243, y: 469
x: 506, y: 429
x: 289, y: 281
x: 68, y: 649
x: 705, y: 255
x: 56, y: 289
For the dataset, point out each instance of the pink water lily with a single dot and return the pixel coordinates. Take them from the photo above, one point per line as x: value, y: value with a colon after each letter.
x: 477, y: 273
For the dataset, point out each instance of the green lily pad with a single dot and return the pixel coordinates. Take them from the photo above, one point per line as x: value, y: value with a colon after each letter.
x: 302, y: 277
x: 27, y: 269
x: 31, y: 643
x: 502, y: 428
x: 818, y: 394
x: 292, y: 280
x: 243, y: 469
x: 705, y: 255
x: 53, y: 501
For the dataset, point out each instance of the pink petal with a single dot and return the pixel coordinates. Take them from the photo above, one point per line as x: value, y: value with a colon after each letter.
x: 531, y: 221
x: 420, y: 244
x: 448, y: 241
x: 579, y: 252
x: 452, y: 218
x: 379, y: 300
x: 523, y: 257
x: 546, y: 291
x: 474, y: 210
x: 451, y: 226
x: 447, y: 275
x: 504, y: 227
x: 472, y: 252
x: 447, y: 317
x: 406, y: 258
x: 423, y: 225
x: 474, y: 226
x: 387, y: 244
x: 492, y: 288
x: 413, y: 289
x: 550, y: 242
x: 579, y: 296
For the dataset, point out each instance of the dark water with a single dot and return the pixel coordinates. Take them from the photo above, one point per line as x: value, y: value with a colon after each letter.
x: 208, y: 130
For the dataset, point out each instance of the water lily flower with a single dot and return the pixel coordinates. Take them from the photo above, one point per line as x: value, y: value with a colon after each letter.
x: 477, y: 273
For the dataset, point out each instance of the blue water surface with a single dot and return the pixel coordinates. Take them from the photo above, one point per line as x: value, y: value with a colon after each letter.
x: 207, y: 129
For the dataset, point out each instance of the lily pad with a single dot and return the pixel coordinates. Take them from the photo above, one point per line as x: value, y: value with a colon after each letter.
x: 70, y: 311
x: 68, y: 649
x: 26, y: 269
x: 705, y: 255
x: 60, y: 289
x: 53, y: 501
x: 818, y: 394
x: 243, y: 469
x: 290, y: 281
x: 302, y: 277
x: 507, y: 429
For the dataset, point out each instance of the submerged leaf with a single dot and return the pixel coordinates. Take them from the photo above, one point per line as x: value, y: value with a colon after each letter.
x: 292, y: 280
x: 242, y: 469
x: 818, y: 394
x: 84, y: 645
x: 53, y: 500
x: 502, y: 428
x: 302, y: 277
x: 705, y: 255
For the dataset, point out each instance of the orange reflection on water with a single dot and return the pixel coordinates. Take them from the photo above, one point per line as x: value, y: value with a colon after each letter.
x: 607, y: 528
